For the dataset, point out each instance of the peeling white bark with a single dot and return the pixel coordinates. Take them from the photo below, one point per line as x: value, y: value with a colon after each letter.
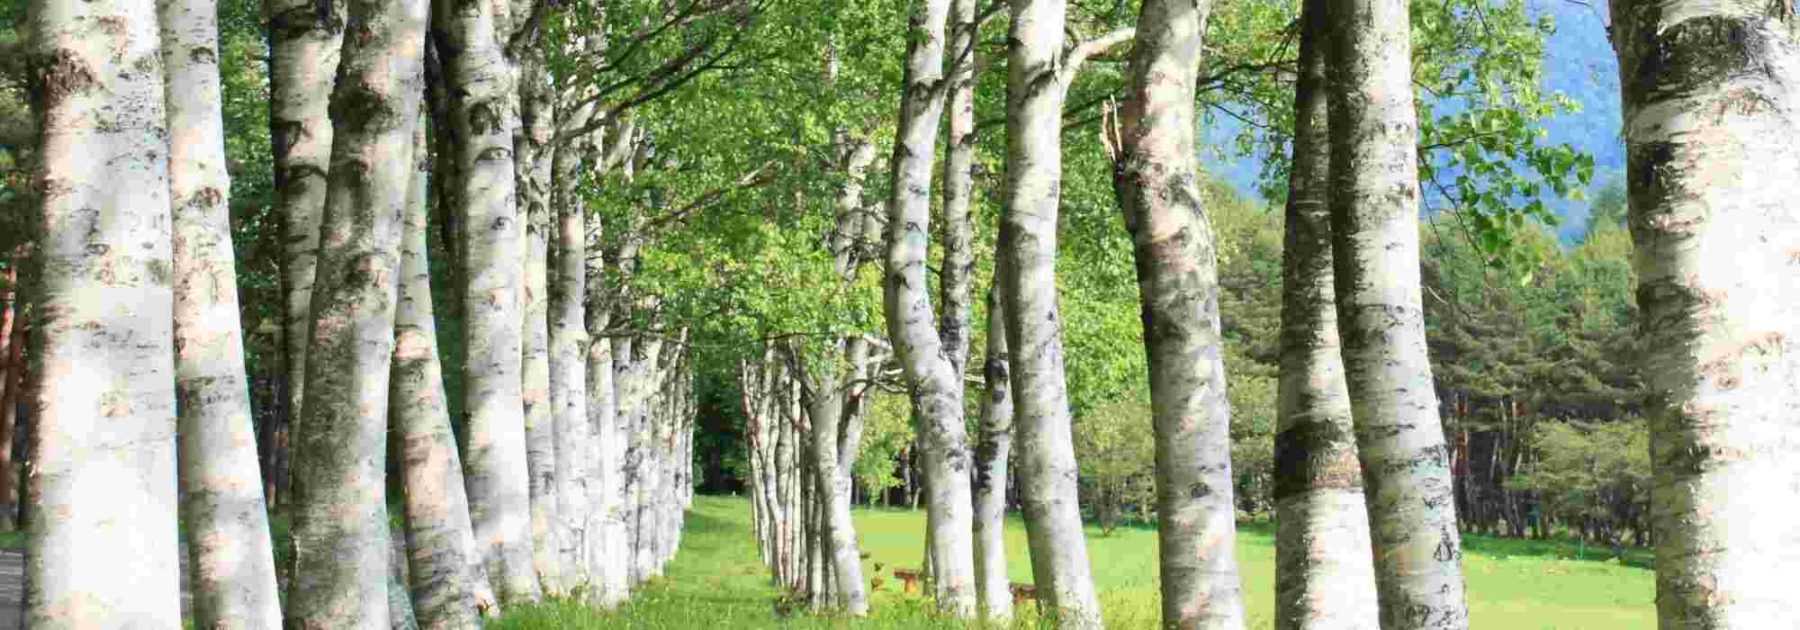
x: 227, y: 524
x: 340, y: 529
x: 1711, y: 110
x: 1375, y: 252
x: 103, y: 475
x: 1324, y: 572
x: 1177, y: 270
x: 934, y: 379
x: 1037, y: 76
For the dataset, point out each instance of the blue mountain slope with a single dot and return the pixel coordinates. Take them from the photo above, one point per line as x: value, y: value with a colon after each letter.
x: 1579, y: 62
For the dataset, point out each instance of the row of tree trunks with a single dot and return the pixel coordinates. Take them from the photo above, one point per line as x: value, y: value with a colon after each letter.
x: 782, y: 493
x: 650, y: 399
x: 831, y: 397
x: 804, y: 526
x: 577, y: 461
x: 147, y: 302
x: 609, y: 546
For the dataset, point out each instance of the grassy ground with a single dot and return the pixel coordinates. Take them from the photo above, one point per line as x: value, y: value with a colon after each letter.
x: 717, y: 582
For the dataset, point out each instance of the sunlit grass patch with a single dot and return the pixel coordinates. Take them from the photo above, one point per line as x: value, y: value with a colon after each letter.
x: 717, y: 581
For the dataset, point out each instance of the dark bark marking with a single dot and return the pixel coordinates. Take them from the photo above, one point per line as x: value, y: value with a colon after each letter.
x: 63, y: 75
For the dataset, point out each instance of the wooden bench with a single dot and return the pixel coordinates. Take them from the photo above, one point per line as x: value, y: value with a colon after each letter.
x: 909, y: 579
x: 1022, y: 593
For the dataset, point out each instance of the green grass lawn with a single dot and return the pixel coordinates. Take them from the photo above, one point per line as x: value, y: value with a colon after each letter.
x: 718, y: 583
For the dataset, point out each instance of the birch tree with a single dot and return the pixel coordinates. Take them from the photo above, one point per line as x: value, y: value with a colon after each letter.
x: 611, y: 574
x: 448, y: 582
x: 531, y: 170
x: 958, y: 231
x: 304, y: 41
x: 494, y: 455
x: 1038, y: 72
x: 103, y: 448
x: 1177, y: 269
x: 221, y: 483
x: 833, y: 416
x: 575, y: 455
x: 992, y: 449
x: 341, y: 538
x: 1374, y: 205
x: 934, y: 380
x: 1711, y: 108
x: 1324, y: 576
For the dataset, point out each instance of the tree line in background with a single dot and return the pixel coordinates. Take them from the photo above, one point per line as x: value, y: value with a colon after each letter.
x: 519, y: 271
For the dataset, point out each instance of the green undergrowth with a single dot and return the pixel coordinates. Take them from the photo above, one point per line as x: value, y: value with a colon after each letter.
x: 718, y: 583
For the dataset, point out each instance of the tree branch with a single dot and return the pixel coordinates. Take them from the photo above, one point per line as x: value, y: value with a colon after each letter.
x: 1074, y: 57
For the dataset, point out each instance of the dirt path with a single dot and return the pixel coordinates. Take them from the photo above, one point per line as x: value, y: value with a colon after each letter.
x: 12, y: 590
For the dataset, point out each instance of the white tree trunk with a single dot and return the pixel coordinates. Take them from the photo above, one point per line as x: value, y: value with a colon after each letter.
x: 1177, y: 269
x: 340, y: 524
x: 993, y: 587
x: 1035, y: 83
x: 480, y: 86
x: 1324, y: 576
x: 575, y: 454
x: 101, y: 540
x: 448, y: 582
x: 935, y: 383
x: 826, y: 410
x: 227, y: 523
x: 650, y: 491
x: 609, y: 556
x: 531, y: 167
x: 1375, y: 244
x: 1711, y: 111
x: 635, y: 415
x: 958, y: 232
x: 303, y: 63
x: 400, y: 608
